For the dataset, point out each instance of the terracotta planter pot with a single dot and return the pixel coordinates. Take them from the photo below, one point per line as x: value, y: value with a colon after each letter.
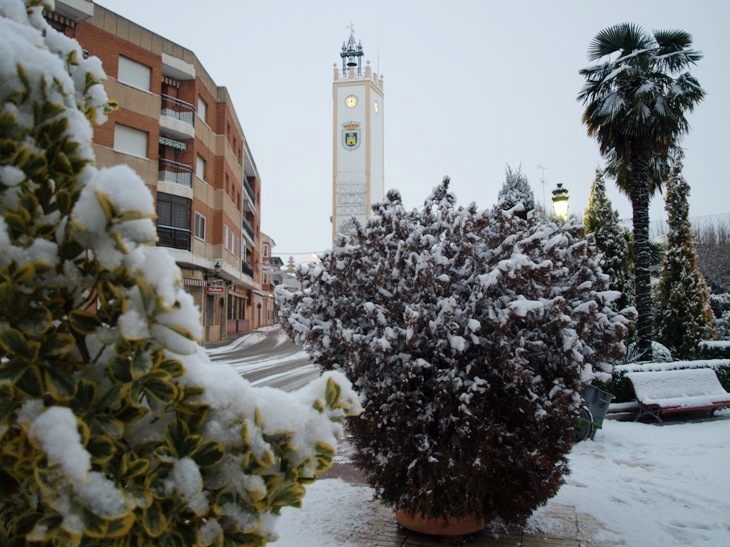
x: 437, y: 527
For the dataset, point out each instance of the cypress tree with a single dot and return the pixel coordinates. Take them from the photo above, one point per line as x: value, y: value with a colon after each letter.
x: 683, y: 315
x: 602, y: 221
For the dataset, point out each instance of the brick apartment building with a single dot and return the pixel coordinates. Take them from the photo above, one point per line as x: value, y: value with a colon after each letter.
x: 179, y: 131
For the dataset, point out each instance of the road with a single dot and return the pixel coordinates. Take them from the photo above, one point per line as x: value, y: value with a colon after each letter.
x: 268, y: 358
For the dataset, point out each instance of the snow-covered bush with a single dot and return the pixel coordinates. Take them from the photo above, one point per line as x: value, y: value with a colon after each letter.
x: 114, y: 425
x: 470, y: 336
x: 721, y: 310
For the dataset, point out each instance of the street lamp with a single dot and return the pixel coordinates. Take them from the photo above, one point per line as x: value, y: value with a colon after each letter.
x: 560, y: 201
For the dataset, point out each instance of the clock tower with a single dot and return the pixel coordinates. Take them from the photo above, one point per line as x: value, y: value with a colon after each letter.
x: 357, y: 138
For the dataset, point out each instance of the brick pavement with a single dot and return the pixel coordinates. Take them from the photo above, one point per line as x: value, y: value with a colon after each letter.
x: 381, y: 530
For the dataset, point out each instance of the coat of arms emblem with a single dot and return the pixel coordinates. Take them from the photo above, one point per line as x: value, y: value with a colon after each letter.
x: 351, y: 135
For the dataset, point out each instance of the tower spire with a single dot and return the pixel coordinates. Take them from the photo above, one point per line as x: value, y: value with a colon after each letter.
x: 351, y: 53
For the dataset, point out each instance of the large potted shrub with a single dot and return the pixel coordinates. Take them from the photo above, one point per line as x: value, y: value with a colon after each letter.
x: 470, y: 336
x: 115, y: 428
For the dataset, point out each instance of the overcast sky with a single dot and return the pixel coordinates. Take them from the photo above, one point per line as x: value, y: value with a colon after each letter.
x: 470, y: 86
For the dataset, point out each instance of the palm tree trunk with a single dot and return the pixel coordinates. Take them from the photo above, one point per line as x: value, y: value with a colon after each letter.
x: 642, y: 261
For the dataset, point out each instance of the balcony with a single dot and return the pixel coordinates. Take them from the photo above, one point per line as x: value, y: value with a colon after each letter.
x: 247, y: 269
x: 249, y: 191
x: 174, y: 238
x: 172, y: 171
x: 180, y: 110
x: 246, y: 225
x: 177, y: 118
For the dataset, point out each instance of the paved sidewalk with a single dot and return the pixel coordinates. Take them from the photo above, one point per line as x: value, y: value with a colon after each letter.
x: 381, y: 529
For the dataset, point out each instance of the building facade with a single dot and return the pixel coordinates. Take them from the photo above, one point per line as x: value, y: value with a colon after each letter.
x: 357, y: 138
x: 179, y: 131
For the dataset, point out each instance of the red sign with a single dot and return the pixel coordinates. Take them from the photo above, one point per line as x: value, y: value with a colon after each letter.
x: 214, y: 289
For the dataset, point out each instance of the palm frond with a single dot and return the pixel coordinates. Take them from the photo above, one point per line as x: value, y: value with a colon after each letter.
x: 624, y: 38
x: 672, y: 39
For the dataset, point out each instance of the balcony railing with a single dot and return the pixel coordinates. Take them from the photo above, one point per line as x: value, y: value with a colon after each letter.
x: 249, y: 191
x: 172, y: 171
x: 175, y: 238
x: 248, y: 229
x: 180, y: 110
x: 247, y: 269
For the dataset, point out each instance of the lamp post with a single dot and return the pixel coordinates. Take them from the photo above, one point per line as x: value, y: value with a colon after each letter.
x: 560, y: 201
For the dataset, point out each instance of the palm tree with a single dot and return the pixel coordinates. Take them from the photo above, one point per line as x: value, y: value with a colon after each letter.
x: 635, y: 105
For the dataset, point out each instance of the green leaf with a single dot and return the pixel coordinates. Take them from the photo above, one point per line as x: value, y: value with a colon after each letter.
x: 101, y: 448
x: 121, y: 369
x: 11, y: 369
x: 13, y: 342
x: 325, y: 454
x: 154, y: 521
x: 58, y: 344
x: 288, y: 494
x: 133, y: 466
x: 208, y: 453
x: 160, y: 390
x: 30, y: 382
x: 85, y: 394
x: 114, y: 395
x: 24, y: 273
x: 121, y: 526
x: 94, y: 526
x: 106, y: 205
x: 332, y: 392
x: 84, y: 322
x: 172, y: 366
x: 46, y: 528
x: 60, y: 384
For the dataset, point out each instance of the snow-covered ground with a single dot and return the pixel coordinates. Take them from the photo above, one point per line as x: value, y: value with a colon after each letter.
x: 646, y: 484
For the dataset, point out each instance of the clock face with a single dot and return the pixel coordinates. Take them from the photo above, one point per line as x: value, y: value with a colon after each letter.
x: 351, y: 101
x: 376, y: 106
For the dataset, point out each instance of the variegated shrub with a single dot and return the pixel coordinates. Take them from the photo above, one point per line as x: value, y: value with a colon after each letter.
x: 114, y: 425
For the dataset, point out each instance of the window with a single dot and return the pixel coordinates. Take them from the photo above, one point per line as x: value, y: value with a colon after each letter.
x: 173, y: 221
x: 202, y: 109
x: 232, y: 245
x: 199, y: 226
x: 128, y: 140
x: 266, y: 251
x: 200, y: 168
x: 133, y: 73
x: 173, y: 211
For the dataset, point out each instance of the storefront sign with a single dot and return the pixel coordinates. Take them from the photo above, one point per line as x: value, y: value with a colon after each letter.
x: 214, y: 289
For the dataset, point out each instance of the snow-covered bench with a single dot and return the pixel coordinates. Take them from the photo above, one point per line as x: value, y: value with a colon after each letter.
x: 668, y: 391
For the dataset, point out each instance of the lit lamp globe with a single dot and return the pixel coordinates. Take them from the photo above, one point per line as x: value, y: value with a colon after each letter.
x: 560, y: 202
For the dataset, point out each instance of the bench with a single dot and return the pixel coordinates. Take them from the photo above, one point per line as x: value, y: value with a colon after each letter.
x: 670, y: 391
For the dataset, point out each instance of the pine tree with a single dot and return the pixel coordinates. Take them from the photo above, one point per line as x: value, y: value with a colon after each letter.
x: 516, y: 189
x: 602, y: 221
x: 684, y: 316
x: 291, y: 266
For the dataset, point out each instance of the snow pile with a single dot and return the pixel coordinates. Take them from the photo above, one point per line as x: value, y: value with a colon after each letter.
x: 113, y: 420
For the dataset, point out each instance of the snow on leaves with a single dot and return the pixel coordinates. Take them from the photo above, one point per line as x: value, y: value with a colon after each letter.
x: 469, y: 332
